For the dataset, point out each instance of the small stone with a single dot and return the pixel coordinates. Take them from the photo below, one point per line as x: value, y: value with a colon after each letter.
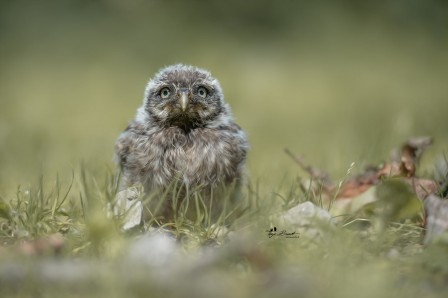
x: 156, y: 249
x: 306, y: 220
x: 436, y: 222
x: 304, y: 212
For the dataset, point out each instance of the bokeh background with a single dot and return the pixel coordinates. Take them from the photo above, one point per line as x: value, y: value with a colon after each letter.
x: 334, y: 81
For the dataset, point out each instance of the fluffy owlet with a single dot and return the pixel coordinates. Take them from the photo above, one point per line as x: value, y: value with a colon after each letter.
x: 182, y: 134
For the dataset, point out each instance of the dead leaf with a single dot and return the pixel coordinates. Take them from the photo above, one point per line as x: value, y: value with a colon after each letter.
x: 403, y: 165
x: 364, y: 201
x: 352, y: 189
x: 358, y: 184
x: 422, y: 187
x: 411, y: 152
x: 389, y: 170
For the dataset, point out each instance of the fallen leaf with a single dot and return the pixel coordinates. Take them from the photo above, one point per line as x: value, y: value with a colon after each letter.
x: 422, y: 187
x: 411, y: 152
x: 402, y: 166
x: 389, y: 170
x: 357, y: 185
x: 364, y: 201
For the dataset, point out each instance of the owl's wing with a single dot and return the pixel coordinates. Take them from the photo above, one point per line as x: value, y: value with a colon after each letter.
x: 125, y: 154
x: 123, y: 147
x: 240, y: 145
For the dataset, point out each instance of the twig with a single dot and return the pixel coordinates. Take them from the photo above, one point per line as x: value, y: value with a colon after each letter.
x: 313, y: 172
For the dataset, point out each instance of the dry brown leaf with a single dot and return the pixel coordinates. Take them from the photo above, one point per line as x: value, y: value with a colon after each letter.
x: 358, y: 184
x: 422, y: 187
x: 411, y: 152
x: 389, y: 170
x: 352, y: 189
x: 404, y: 165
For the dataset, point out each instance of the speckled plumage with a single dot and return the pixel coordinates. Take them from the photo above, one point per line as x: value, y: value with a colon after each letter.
x: 188, y: 135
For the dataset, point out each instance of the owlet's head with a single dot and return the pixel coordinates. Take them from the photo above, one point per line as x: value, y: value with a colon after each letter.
x: 184, y: 96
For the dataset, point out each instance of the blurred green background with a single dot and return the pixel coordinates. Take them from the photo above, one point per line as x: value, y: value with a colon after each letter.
x: 336, y: 81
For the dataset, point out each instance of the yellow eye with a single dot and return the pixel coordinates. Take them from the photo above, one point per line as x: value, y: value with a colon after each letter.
x: 202, y: 92
x: 165, y: 93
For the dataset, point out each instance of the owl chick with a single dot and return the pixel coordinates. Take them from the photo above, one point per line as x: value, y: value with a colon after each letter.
x: 182, y: 134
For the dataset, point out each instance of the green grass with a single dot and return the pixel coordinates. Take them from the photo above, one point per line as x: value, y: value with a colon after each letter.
x: 353, y: 258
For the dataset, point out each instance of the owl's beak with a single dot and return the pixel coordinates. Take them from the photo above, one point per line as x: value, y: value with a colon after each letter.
x: 184, y: 100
